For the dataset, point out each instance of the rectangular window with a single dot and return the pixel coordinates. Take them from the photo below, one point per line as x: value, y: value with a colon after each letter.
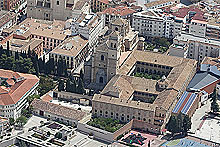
x: 58, y: 3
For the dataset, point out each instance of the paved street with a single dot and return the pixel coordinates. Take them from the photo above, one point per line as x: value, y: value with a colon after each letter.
x: 198, y: 116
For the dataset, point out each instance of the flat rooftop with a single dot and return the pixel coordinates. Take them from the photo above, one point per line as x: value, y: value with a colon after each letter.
x: 187, y: 37
x: 50, y: 29
x: 71, y: 46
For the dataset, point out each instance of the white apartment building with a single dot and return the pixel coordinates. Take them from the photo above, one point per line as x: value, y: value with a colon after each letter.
x: 150, y: 24
x: 89, y: 26
x: 7, y: 20
x: 169, y: 23
x: 198, y: 47
x: 15, y: 88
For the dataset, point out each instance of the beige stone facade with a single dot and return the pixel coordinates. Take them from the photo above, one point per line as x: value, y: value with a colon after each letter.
x: 126, y: 97
x: 49, y: 9
x: 118, y: 39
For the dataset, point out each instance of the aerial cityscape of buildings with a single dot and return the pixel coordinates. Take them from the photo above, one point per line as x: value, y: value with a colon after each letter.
x: 109, y: 73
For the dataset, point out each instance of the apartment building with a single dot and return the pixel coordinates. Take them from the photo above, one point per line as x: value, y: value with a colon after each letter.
x: 198, y: 47
x: 100, y: 5
x: 7, y: 20
x: 22, y: 46
x: 12, y: 5
x: 89, y: 26
x: 146, y: 100
x: 150, y: 24
x: 111, y: 14
x: 73, y: 50
x: 160, y: 4
x: 52, y: 33
x: 169, y: 22
x: 15, y: 88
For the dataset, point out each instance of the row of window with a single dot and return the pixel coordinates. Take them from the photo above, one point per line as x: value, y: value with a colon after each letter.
x: 122, y: 117
x: 150, y: 71
x: 154, y: 65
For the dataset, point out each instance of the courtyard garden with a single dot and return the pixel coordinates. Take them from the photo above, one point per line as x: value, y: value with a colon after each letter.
x: 148, y: 76
x: 107, y: 124
x: 160, y: 44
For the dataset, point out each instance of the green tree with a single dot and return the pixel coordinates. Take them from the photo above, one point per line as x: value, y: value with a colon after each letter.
x: 29, y: 51
x: 24, y: 112
x: 60, y: 66
x: 11, y: 121
x: 214, y: 107
x: 41, y: 65
x: 32, y: 97
x: 73, y: 86
x: 81, y: 75
x: 179, y: 124
x: 186, y: 124
x: 65, y: 68
x: 16, y: 55
x: 21, y: 120
x: 51, y: 66
x: 61, y: 85
x: 214, y: 104
x: 68, y: 85
x: 37, y: 70
x: 172, y: 125
x: 48, y: 133
x: 80, y: 87
x: 58, y: 135
x: 8, y: 49
x: 45, y: 85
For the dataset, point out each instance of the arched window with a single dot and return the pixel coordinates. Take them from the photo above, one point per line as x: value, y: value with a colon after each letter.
x: 115, y: 45
x: 101, y: 80
x: 102, y: 57
x: 116, y: 28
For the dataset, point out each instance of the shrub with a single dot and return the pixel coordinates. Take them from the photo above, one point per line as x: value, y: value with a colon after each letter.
x: 120, y: 136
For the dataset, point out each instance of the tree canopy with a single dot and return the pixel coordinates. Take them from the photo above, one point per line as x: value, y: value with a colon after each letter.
x: 179, y: 124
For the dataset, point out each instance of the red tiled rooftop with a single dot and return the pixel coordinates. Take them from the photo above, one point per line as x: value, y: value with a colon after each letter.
x: 121, y: 10
x: 104, y: 1
x: 47, y: 98
x: 182, y: 12
x: 13, y: 94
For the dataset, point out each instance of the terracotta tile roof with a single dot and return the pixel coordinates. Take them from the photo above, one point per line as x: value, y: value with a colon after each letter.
x: 10, y: 81
x: 58, y: 110
x: 18, y: 89
x: 104, y: 1
x: 120, y: 10
x: 115, y: 91
x: 182, y: 12
x: 8, y: 74
x: 47, y: 98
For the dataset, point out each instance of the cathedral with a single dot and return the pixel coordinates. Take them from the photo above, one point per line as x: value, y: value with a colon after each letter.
x: 114, y: 45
